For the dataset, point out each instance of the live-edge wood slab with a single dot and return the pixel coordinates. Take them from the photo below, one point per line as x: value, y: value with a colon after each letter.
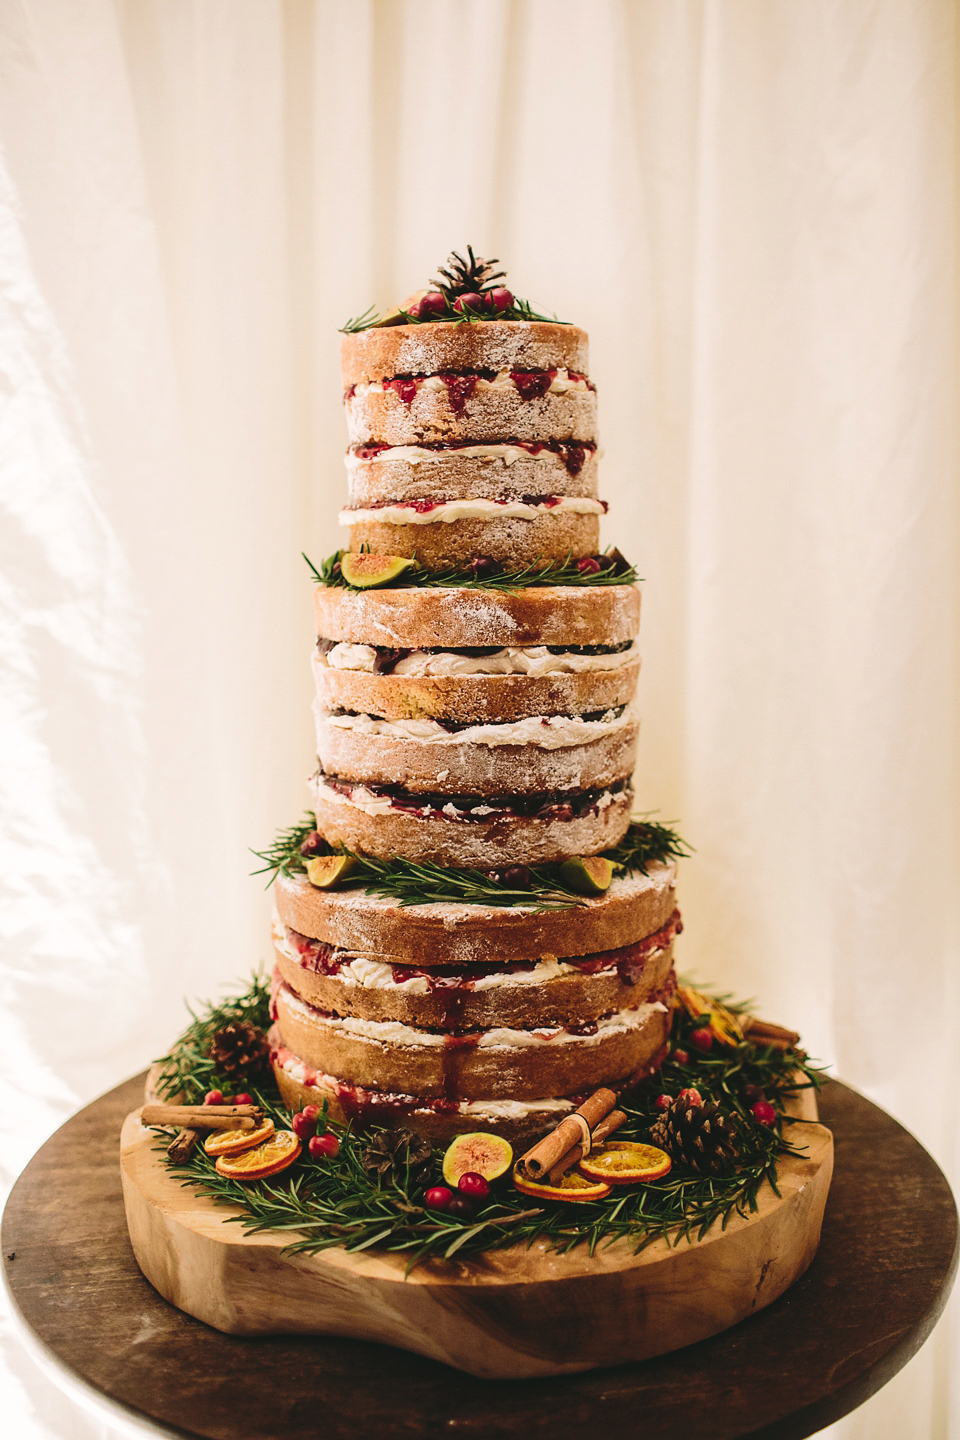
x: 505, y: 1314
x: 872, y: 1295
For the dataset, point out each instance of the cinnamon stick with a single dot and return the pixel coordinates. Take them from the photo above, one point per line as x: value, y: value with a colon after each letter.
x: 552, y: 1148
x: 182, y: 1147
x: 604, y: 1130
x: 764, y: 1032
x: 203, y: 1117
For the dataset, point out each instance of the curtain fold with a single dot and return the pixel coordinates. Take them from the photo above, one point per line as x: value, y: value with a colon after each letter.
x: 751, y: 206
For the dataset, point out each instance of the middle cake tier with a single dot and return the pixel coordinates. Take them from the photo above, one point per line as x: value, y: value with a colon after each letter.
x: 439, y: 748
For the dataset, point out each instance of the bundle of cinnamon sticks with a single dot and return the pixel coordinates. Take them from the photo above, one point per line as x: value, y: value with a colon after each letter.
x: 575, y: 1136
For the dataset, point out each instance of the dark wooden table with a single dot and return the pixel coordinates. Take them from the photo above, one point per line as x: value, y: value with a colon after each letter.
x: 868, y: 1302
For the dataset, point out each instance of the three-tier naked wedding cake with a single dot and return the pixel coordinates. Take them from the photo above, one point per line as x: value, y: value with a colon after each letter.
x: 483, y: 728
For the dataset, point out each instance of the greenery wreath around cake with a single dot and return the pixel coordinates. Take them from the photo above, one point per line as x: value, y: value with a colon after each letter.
x: 715, y: 1113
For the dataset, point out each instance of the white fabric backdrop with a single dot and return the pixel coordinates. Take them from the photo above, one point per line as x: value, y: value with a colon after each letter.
x: 750, y: 204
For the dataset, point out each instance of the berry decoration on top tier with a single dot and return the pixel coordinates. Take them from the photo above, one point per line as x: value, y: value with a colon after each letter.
x: 466, y: 291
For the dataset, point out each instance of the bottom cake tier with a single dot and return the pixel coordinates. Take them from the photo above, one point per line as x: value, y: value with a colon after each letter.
x: 484, y: 1026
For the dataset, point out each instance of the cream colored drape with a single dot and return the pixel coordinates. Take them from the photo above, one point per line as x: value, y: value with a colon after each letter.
x: 750, y: 204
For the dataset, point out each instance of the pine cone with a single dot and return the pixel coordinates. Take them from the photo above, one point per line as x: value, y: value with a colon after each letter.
x: 389, y: 1153
x: 239, y: 1050
x: 699, y: 1134
x: 461, y: 277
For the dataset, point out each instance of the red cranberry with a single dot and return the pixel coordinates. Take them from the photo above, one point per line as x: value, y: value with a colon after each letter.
x: 312, y: 1110
x: 243, y: 1098
x: 213, y: 1097
x: 752, y: 1093
x: 702, y: 1038
x: 516, y: 876
x: 681, y: 1057
x: 321, y: 1146
x: 663, y: 1102
x: 303, y: 1126
x: 314, y: 844
x: 473, y: 1185
x: 501, y: 298
x: 589, y: 565
x: 764, y: 1113
x: 438, y: 1197
x: 471, y: 302
x: 483, y: 565
x: 693, y: 1096
x: 460, y: 1205
x: 432, y: 303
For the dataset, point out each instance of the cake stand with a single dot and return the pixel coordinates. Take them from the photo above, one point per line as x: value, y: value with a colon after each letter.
x: 865, y: 1305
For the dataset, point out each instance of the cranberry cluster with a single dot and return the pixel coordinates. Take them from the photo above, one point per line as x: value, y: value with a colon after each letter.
x: 470, y: 1188
x: 305, y: 1125
x: 474, y: 305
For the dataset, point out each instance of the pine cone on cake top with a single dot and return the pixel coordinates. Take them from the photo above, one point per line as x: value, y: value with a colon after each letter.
x: 239, y: 1049
x: 389, y: 1153
x: 698, y: 1134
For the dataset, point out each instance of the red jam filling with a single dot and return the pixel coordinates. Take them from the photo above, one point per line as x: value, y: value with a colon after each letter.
x: 555, y: 806
x: 572, y: 456
x: 530, y: 385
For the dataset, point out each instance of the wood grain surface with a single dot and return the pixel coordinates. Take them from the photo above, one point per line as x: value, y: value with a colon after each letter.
x: 509, y: 1314
x: 868, y: 1301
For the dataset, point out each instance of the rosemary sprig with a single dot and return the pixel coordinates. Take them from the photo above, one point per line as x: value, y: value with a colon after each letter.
x: 614, y: 570
x: 646, y: 843
x: 371, y: 319
x: 188, y: 1071
x: 337, y: 1202
x: 422, y: 883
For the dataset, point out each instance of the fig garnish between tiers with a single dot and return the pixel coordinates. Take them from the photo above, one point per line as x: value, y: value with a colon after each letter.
x: 361, y: 570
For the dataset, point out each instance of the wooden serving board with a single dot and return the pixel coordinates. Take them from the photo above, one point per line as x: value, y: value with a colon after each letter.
x: 506, y: 1314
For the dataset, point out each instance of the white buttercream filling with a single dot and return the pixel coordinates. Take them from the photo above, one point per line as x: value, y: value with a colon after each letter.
x: 419, y: 455
x: 561, y: 384
x: 448, y: 511
x: 370, y: 974
x: 372, y: 804
x: 501, y: 1037
x: 544, y: 732
x: 512, y: 660
x: 356, y: 971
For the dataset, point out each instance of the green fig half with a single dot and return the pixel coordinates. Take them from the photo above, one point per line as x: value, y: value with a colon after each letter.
x: 326, y: 871
x: 478, y: 1153
x: 366, y: 572
x: 587, y: 874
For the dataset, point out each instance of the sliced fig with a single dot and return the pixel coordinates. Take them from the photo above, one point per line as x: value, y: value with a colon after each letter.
x: 326, y: 871
x: 478, y: 1153
x: 365, y: 572
x: 587, y: 874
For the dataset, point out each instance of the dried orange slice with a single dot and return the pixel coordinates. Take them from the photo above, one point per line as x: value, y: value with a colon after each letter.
x: 624, y: 1162
x: 231, y: 1142
x: 268, y: 1158
x: 572, y: 1187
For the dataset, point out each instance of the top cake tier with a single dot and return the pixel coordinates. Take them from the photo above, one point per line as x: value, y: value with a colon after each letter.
x: 471, y: 439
